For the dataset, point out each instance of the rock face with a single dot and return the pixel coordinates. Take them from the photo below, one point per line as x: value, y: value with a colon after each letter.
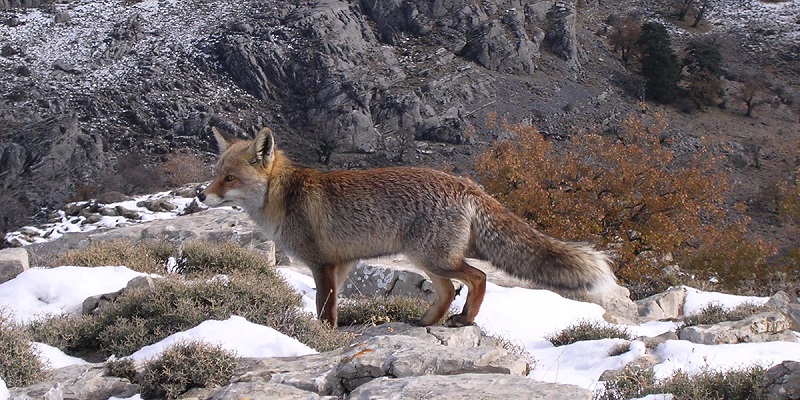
x: 12, y: 263
x: 363, y: 78
x: 561, y: 35
x: 51, y: 151
x: 389, y: 361
x: 782, y: 382
x: 763, y: 327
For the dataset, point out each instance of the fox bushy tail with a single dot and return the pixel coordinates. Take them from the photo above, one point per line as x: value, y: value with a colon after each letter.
x: 514, y: 246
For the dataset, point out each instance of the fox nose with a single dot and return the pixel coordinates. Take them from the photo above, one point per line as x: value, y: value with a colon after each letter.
x: 199, y: 191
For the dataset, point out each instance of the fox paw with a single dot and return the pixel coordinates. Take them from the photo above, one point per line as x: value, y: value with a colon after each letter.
x: 457, y: 321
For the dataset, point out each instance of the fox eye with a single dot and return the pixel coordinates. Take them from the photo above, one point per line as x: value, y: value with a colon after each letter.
x: 229, y: 178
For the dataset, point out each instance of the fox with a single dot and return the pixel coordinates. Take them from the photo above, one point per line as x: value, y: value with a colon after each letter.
x: 329, y: 220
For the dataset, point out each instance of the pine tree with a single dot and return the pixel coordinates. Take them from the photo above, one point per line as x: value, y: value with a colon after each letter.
x: 660, y: 66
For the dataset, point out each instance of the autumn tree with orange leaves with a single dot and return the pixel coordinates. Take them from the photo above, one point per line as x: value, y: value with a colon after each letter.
x: 627, y: 192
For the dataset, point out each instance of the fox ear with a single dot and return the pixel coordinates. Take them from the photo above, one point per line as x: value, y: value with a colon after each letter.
x: 223, y: 141
x: 264, y: 147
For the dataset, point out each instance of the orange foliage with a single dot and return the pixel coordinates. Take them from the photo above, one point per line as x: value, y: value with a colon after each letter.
x: 627, y: 192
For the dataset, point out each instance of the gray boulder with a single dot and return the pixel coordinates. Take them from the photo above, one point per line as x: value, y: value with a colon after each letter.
x: 95, y: 304
x: 788, y: 305
x: 85, y: 382
x: 373, y: 281
x: 667, y: 305
x: 484, y: 386
x: 12, y: 263
x: 782, y: 382
x: 763, y: 327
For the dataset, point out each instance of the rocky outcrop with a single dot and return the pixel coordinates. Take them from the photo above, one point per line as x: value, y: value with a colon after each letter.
x: 782, y: 382
x: 763, y: 327
x: 51, y: 154
x: 381, y: 361
x: 561, y: 36
x: 392, y: 351
x: 212, y: 225
x: 89, y: 382
x: 12, y: 263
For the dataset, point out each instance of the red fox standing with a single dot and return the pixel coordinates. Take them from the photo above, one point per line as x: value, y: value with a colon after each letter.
x: 330, y: 220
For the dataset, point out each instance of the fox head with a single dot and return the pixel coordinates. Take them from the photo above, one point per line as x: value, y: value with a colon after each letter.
x: 242, y: 172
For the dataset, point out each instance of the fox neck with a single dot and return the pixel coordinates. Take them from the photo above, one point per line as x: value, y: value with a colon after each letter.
x: 268, y: 207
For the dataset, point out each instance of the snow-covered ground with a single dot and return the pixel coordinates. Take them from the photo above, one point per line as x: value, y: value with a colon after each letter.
x: 68, y: 224
x: 523, y: 316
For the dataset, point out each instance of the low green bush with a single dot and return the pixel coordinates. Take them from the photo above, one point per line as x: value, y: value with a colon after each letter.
x: 143, y: 316
x: 379, y: 310
x: 148, y: 256
x: 19, y: 363
x: 186, y: 366
x: 715, y: 313
x: 588, y: 330
x: 742, y: 384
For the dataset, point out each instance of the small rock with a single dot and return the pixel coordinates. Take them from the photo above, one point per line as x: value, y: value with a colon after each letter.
x: 62, y: 16
x: 127, y: 213
x: 13, y: 262
x: 653, y: 342
x: 108, y: 212
x: 157, y: 205
x: 112, y: 197
x: 782, y: 382
x: 193, y: 207
x: 788, y: 305
x: 639, y: 364
x: 74, y: 209
x: 372, y: 281
x: 667, y: 305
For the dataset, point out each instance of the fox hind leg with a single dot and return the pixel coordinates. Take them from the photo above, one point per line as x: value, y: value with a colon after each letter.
x: 444, y: 296
x: 475, y: 280
x: 457, y: 269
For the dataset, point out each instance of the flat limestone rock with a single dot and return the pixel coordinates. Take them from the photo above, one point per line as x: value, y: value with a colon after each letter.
x: 467, y: 386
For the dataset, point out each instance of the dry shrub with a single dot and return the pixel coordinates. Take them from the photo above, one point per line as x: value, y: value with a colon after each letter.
x: 628, y: 191
x: 380, y: 310
x: 588, y: 330
x: 715, y: 313
x: 149, y: 256
x: 182, y: 168
x: 741, y: 384
x: 144, y: 316
x: 19, y: 364
x: 185, y: 366
x: 788, y: 201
